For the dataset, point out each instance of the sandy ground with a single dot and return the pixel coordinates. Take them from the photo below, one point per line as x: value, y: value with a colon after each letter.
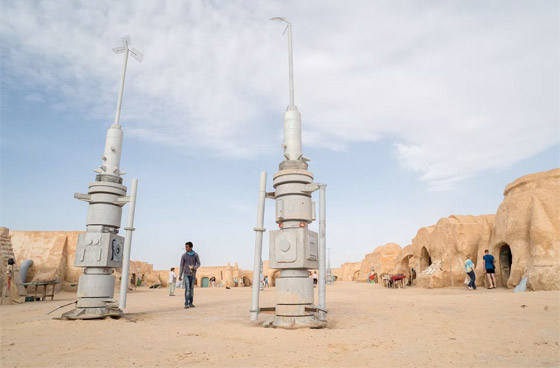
x: 368, y: 326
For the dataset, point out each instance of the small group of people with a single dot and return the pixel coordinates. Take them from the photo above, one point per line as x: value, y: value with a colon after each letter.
x: 489, y: 270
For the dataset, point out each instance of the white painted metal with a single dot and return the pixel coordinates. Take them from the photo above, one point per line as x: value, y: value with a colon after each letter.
x: 294, y: 249
x: 322, y: 253
x: 100, y: 249
x: 128, y: 243
x: 292, y: 134
x: 112, y: 153
x: 292, y: 117
x: 96, y: 286
x: 259, y: 230
x: 290, y: 56
x: 138, y: 56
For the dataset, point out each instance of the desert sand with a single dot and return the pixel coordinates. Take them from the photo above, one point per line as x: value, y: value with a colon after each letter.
x: 369, y: 326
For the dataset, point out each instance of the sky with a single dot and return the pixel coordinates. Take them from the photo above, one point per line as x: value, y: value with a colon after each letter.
x: 411, y: 112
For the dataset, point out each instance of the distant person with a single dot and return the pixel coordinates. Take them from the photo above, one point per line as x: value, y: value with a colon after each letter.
x: 235, y: 281
x: 133, y: 282
x: 469, y: 269
x: 190, y: 262
x: 266, y: 281
x: 489, y: 269
x: 213, y: 281
x: 172, y: 281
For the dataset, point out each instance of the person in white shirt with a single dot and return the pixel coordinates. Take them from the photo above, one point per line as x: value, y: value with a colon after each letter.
x: 172, y: 280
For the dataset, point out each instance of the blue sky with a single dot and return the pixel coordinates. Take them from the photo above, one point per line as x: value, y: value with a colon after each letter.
x: 411, y: 112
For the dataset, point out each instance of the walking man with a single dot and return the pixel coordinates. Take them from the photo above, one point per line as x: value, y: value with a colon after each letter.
x: 189, y: 264
x: 489, y: 269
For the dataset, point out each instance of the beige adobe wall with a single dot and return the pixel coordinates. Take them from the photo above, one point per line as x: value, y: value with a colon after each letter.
x: 383, y: 259
x: 349, y: 271
x: 52, y: 253
x: 528, y: 221
x: 406, y: 262
x: 447, y: 244
x: 224, y: 276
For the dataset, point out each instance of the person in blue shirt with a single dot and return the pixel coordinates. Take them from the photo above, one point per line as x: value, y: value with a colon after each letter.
x: 489, y: 269
x: 469, y: 269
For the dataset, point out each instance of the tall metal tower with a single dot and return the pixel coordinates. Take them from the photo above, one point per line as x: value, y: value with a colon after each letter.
x: 100, y: 249
x: 294, y: 249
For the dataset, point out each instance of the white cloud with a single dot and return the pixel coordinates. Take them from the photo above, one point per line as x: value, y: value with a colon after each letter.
x: 459, y: 88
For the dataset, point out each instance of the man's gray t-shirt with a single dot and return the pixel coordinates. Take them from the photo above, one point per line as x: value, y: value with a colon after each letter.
x: 188, y: 260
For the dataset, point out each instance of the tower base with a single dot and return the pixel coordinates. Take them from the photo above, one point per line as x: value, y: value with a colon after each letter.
x: 109, y: 310
x: 292, y: 323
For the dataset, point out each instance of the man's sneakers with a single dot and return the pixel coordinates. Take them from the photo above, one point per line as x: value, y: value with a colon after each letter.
x: 187, y: 306
x: 192, y: 305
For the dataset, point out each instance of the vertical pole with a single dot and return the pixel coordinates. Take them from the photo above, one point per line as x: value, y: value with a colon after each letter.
x: 259, y: 230
x: 119, y: 101
x: 291, y: 60
x: 127, y: 243
x: 322, y: 252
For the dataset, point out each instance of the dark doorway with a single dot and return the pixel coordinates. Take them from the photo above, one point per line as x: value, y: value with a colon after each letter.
x: 425, y: 259
x: 505, y: 263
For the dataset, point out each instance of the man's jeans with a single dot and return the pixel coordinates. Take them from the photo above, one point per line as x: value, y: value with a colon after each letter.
x: 473, y: 278
x: 189, y: 289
